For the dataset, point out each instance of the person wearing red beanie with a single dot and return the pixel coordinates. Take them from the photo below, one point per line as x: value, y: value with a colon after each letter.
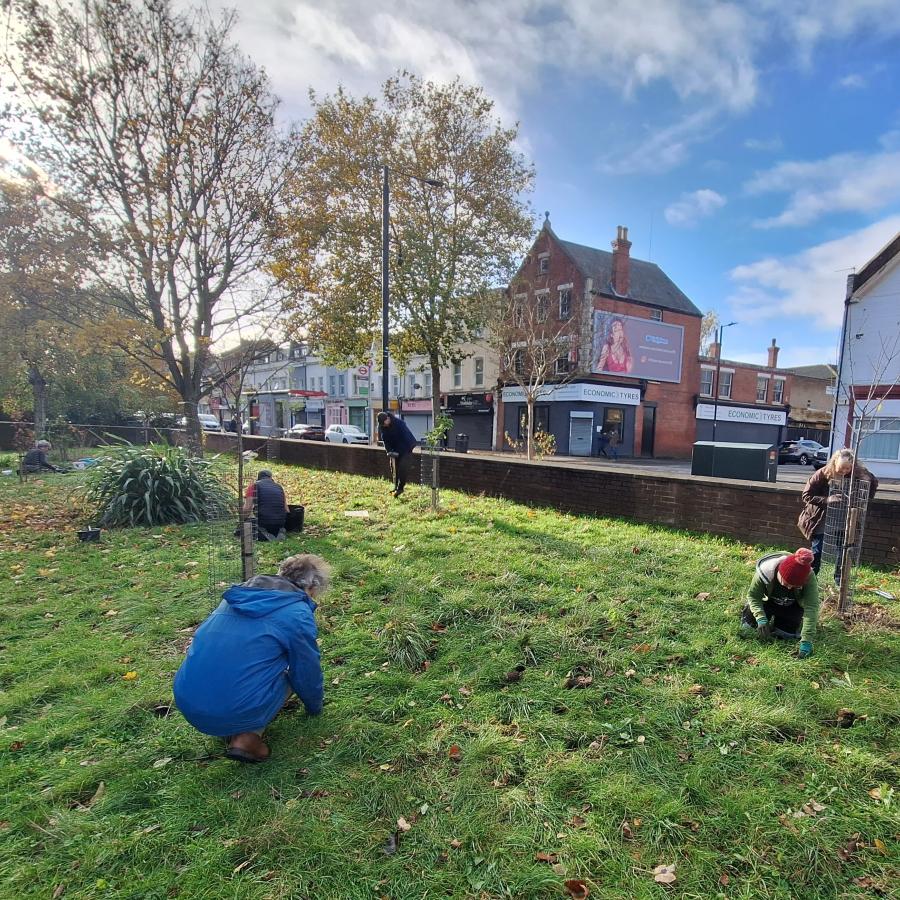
x: 783, y: 599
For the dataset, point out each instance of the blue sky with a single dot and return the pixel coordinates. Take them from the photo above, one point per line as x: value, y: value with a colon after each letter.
x: 758, y: 142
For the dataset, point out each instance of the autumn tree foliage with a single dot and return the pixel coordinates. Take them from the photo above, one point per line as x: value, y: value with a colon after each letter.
x: 449, y: 244
x: 165, y: 134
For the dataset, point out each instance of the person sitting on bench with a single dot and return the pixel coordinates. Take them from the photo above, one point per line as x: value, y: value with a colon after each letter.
x: 265, y: 499
x: 36, y: 459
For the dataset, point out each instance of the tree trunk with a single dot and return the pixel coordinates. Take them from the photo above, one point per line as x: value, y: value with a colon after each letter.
x: 39, y: 393
x: 193, y: 431
x: 435, y: 392
x: 529, y: 437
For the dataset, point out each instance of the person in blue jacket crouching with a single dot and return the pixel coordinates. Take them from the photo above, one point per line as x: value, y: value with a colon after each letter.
x: 254, y: 650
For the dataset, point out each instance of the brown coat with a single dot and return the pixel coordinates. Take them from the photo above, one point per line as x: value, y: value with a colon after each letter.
x: 815, y: 499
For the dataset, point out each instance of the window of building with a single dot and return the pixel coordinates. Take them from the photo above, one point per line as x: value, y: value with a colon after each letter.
x: 541, y: 420
x: 543, y: 264
x: 355, y: 384
x: 725, y: 379
x: 519, y: 362
x: 479, y: 371
x: 395, y: 385
x: 428, y: 383
x: 563, y: 365
x: 880, y: 440
x: 411, y: 381
x: 565, y: 303
x: 457, y: 375
x: 778, y: 390
x: 706, y: 382
x: 762, y: 388
x: 322, y: 384
x: 543, y: 307
x: 332, y: 385
x: 342, y: 385
x: 519, y: 310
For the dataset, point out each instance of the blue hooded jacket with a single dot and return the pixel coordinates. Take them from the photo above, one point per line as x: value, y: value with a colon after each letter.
x: 397, y: 437
x: 257, y: 645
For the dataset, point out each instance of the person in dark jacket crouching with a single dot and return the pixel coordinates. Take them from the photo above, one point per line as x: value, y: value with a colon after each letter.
x: 257, y: 647
x: 265, y: 499
x: 399, y: 442
x: 783, y: 599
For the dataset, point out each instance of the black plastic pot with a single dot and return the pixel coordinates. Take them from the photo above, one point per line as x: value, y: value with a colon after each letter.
x: 89, y: 534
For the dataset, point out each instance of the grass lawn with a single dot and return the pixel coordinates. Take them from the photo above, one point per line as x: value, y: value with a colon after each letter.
x: 541, y: 697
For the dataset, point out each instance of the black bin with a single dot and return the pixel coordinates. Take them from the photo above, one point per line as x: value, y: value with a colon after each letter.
x: 462, y: 443
x: 294, y: 519
x: 748, y: 462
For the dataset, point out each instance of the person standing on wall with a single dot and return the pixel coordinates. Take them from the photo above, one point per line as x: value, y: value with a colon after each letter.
x: 817, y: 495
x: 398, y: 442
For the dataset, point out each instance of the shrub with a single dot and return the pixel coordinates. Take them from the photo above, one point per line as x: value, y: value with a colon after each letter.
x: 154, y: 486
x: 406, y: 644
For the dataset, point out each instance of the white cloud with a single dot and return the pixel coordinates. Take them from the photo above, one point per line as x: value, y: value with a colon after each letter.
x: 845, y: 182
x: 853, y: 81
x: 662, y: 150
x: 769, y: 145
x: 808, y: 287
x: 693, y: 206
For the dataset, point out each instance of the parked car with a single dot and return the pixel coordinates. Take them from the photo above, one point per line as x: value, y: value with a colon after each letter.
x: 304, y: 432
x: 802, y: 451
x: 208, y: 422
x: 346, y: 434
x: 820, y: 458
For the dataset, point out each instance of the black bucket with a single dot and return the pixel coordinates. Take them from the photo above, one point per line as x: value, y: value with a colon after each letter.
x: 294, y: 519
x: 89, y: 535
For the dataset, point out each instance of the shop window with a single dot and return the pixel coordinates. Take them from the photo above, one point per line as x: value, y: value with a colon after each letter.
x: 614, y: 420
x: 706, y: 382
x: 725, y: 379
x: 541, y: 420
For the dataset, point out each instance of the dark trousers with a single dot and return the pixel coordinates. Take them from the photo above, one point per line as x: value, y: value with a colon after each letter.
x: 788, y: 619
x: 816, y: 544
x: 400, y: 466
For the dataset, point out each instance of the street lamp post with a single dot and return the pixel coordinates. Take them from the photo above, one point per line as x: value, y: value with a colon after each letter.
x: 385, y: 270
x: 716, y: 394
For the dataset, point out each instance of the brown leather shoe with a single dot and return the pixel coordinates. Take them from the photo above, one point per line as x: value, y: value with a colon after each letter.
x: 247, y: 747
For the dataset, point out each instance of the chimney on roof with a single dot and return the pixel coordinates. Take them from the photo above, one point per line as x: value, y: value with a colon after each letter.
x: 621, y: 276
x: 773, y: 355
x: 714, y: 350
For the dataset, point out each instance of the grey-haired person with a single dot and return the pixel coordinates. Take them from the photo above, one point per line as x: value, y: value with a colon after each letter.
x: 35, y: 459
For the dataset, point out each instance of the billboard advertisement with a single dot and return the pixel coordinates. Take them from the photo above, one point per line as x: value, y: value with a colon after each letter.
x: 637, y: 348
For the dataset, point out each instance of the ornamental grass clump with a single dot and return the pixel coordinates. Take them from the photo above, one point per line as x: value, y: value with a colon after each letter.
x: 154, y: 486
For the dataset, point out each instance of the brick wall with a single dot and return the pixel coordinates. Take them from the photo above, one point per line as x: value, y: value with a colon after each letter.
x: 753, y: 512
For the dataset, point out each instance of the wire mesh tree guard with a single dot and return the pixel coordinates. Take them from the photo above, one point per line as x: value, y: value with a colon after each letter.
x: 430, y: 470
x: 845, y: 523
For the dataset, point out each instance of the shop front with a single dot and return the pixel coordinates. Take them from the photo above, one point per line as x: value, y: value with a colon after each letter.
x: 357, y: 412
x: 473, y: 415
x: 315, y: 411
x: 418, y: 417
x: 335, y: 414
x: 582, y: 416
x: 741, y: 424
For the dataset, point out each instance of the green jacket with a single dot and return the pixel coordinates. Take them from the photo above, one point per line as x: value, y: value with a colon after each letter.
x: 766, y: 586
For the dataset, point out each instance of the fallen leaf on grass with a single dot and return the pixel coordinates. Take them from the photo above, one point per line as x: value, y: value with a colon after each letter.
x: 576, y: 889
x: 241, y: 866
x: 550, y: 858
x: 850, y: 847
x: 642, y: 648
x: 665, y: 874
x: 455, y: 753
x: 403, y: 825
x: 697, y: 690
x: 880, y: 846
x: 627, y: 833
x: 58, y: 891
x: 578, y: 681
x: 98, y: 795
x: 576, y: 822
x: 164, y: 761
x: 129, y: 676
x: 870, y: 884
x: 455, y: 844
x: 724, y: 879
x: 514, y: 675
x: 465, y: 692
x: 703, y: 595
x: 15, y: 746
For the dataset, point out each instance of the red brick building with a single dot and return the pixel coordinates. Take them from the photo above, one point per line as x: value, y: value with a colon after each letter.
x: 753, y: 401
x: 637, y: 368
